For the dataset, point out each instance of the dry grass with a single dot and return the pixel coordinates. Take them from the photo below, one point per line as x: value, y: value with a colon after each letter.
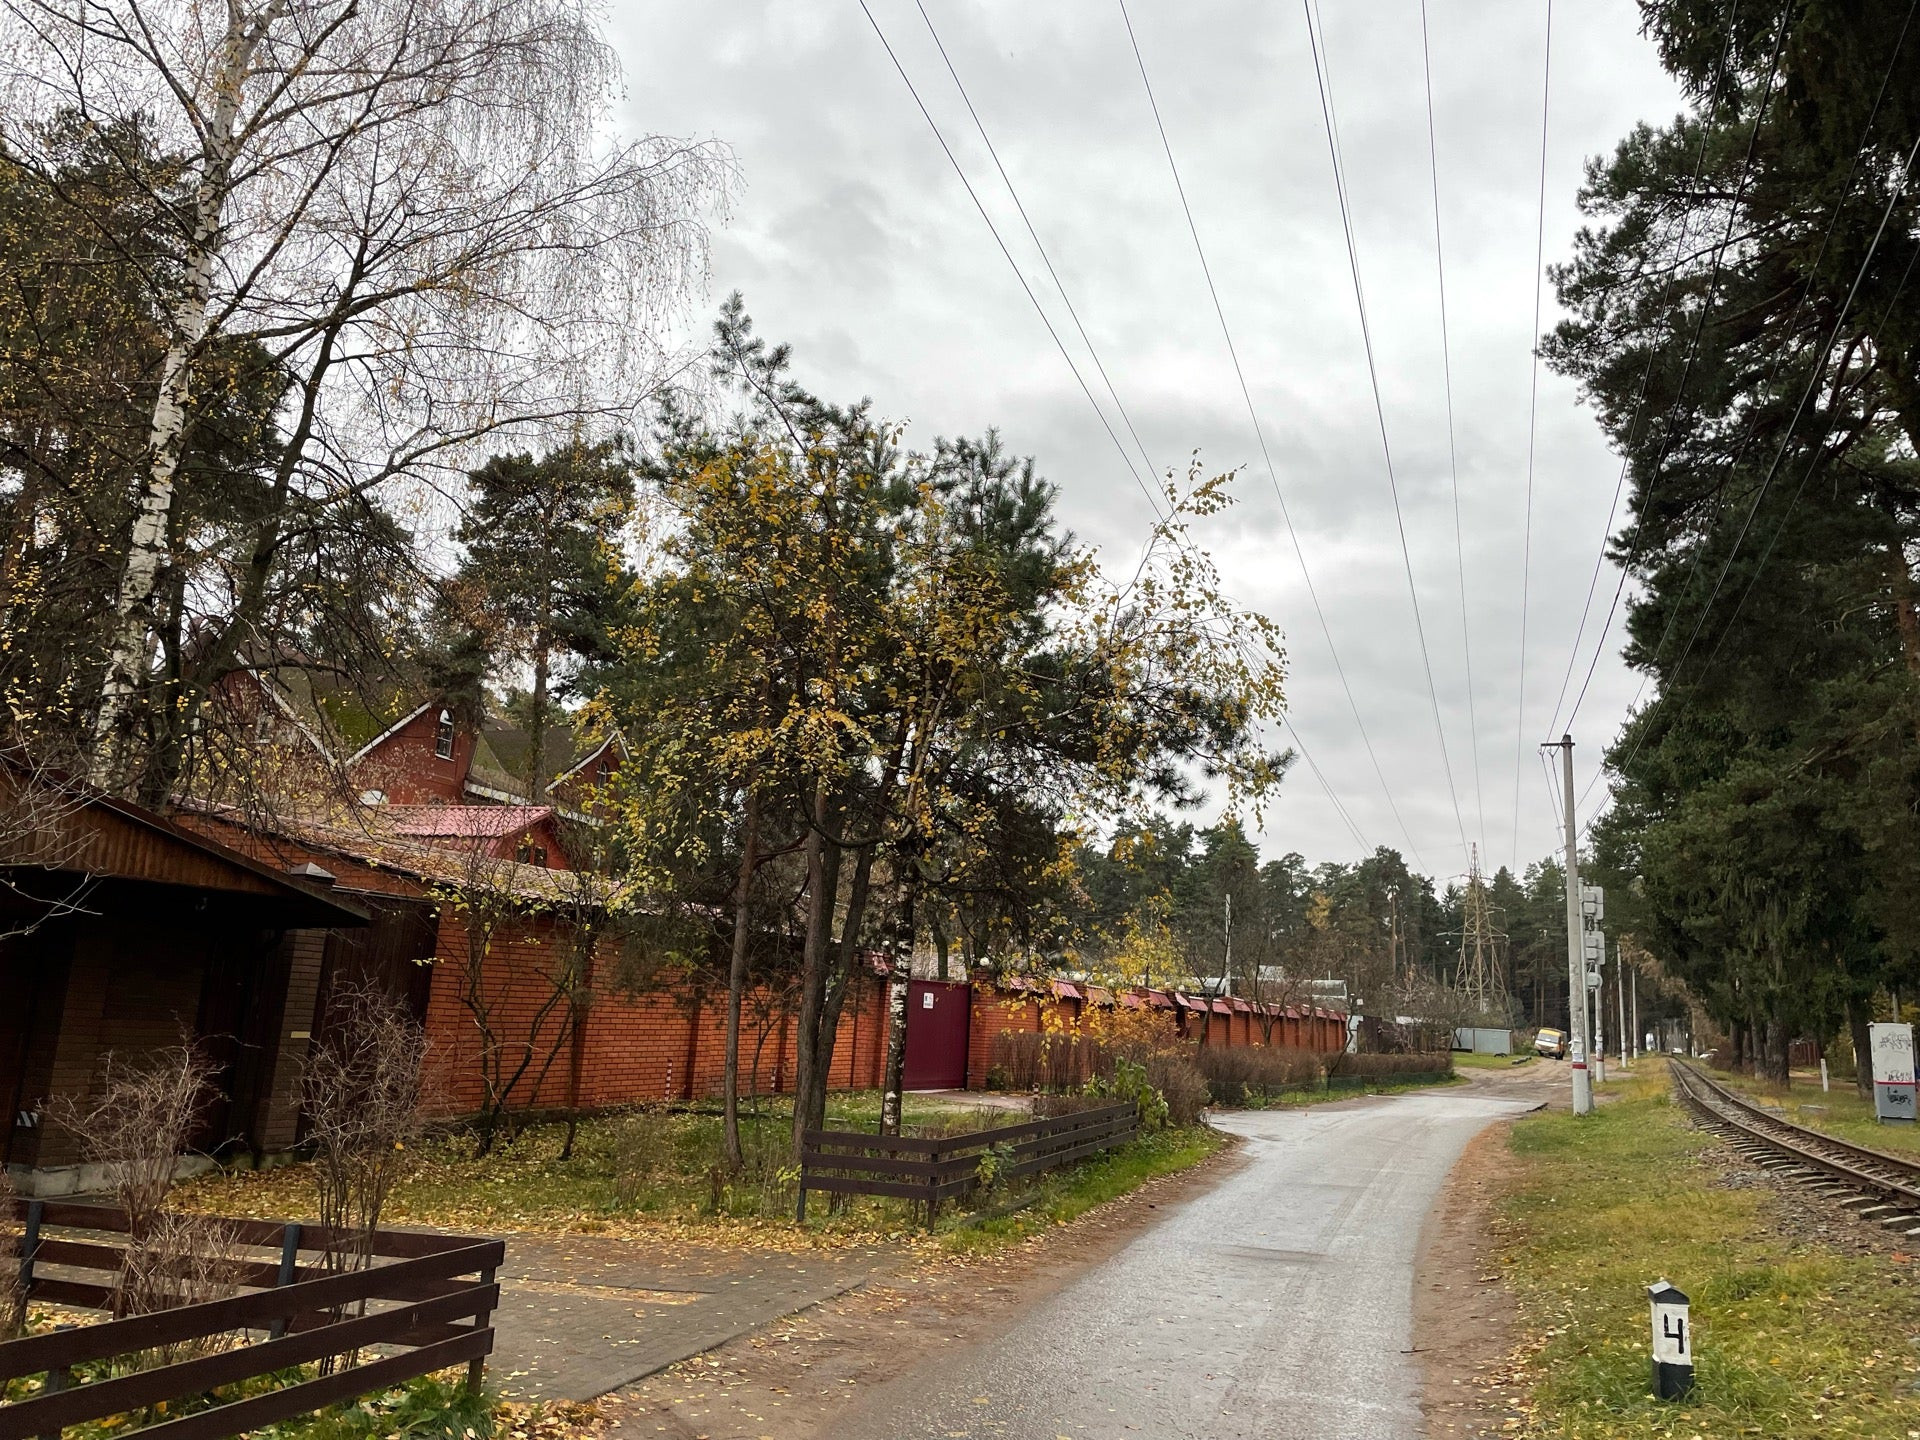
x: 1796, y: 1340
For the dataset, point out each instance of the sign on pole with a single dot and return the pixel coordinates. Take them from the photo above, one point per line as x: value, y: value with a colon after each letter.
x: 1893, y: 1079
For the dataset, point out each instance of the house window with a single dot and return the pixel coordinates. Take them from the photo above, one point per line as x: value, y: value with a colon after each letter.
x: 528, y: 853
x: 604, y: 771
x: 443, y: 736
x: 263, y: 727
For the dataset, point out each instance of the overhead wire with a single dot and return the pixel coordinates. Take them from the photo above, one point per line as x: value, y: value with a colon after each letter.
x: 1273, y: 474
x: 1672, y: 426
x: 1093, y: 352
x: 1453, y: 454
x: 1320, y: 70
x: 1034, y: 235
x: 1533, y: 423
x: 1842, y: 197
x: 1153, y: 499
x: 1814, y: 381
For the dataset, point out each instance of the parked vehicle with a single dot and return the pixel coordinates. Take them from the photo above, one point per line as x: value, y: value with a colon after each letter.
x: 1551, y: 1043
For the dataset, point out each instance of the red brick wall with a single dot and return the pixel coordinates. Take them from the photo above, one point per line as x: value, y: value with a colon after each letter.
x: 637, y: 1048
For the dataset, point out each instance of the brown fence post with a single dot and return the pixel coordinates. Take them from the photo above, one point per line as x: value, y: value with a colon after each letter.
x: 289, y: 1268
x: 29, y: 1243
x: 477, y: 1367
x: 59, y: 1378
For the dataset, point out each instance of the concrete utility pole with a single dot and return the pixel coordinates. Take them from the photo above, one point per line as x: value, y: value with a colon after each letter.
x: 1226, y: 967
x: 1576, y: 940
x: 1620, y: 998
x: 1637, y: 1033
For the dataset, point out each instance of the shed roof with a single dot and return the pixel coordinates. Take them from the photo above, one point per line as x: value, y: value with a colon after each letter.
x: 78, y: 830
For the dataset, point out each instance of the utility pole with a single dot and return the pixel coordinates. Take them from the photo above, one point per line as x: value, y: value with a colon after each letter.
x: 1636, y: 1011
x: 1620, y: 998
x: 1226, y: 968
x: 1576, y: 939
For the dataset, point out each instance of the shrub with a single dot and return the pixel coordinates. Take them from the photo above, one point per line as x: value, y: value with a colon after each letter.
x: 1387, y: 1067
x: 1236, y: 1076
x: 1057, y: 1062
x: 1180, y: 1083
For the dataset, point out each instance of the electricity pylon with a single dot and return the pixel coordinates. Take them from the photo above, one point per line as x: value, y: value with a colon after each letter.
x: 1481, y: 976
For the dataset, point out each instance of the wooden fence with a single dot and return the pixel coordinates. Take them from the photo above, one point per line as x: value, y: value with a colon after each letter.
x: 930, y: 1171
x: 436, y: 1296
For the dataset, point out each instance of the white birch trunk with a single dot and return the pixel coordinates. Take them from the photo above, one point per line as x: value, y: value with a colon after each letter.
x: 147, y: 547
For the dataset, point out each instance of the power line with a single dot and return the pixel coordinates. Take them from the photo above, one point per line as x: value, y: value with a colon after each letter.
x: 1273, y: 475
x: 1533, y: 420
x: 1686, y: 371
x: 1453, y: 456
x: 1152, y: 498
x: 1814, y: 379
x: 1013, y: 193
x: 1842, y: 196
x: 1315, y: 43
x: 1034, y: 235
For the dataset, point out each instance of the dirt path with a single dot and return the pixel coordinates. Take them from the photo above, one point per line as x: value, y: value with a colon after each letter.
x: 798, y: 1378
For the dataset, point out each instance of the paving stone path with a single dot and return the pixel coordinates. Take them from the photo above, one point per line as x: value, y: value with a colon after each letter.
x: 582, y: 1315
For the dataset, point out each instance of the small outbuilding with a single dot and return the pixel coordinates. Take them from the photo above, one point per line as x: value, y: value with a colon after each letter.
x: 122, y: 933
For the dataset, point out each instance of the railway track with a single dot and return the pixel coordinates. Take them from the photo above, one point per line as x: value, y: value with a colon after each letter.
x: 1877, y: 1187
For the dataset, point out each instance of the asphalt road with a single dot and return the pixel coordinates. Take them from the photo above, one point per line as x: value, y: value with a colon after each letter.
x: 1276, y: 1304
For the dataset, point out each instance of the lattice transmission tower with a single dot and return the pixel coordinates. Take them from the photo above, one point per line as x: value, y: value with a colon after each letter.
x: 1481, y: 976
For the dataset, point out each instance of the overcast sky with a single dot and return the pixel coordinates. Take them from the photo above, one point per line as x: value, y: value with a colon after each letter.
x: 852, y: 238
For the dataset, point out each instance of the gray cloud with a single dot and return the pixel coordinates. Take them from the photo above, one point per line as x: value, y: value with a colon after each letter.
x: 853, y: 240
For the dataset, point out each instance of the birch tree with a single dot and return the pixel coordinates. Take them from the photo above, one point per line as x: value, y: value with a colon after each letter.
x: 413, y: 211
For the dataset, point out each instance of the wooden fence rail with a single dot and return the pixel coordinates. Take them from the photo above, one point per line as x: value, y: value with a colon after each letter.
x: 931, y: 1171
x: 422, y: 1302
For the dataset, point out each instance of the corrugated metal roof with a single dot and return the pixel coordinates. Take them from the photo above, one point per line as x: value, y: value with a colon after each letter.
x: 465, y: 822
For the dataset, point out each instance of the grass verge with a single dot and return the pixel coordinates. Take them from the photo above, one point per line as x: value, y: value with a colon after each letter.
x: 1839, y: 1111
x: 1068, y: 1194
x: 656, y: 1175
x: 1794, y: 1340
x: 1467, y: 1060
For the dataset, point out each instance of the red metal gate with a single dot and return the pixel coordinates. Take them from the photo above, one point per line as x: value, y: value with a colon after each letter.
x: 937, y: 1020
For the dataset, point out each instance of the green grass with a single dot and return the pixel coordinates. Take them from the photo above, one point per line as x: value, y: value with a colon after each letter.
x: 1839, y: 1111
x: 648, y: 1171
x: 1067, y: 1194
x: 1794, y: 1341
x: 429, y: 1408
x: 1467, y: 1060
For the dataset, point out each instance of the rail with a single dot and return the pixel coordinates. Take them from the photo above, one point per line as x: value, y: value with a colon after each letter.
x: 425, y: 1301
x: 1874, y: 1171
x: 934, y: 1170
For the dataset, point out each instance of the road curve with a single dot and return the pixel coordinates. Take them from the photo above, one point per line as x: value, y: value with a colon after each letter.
x: 1276, y: 1304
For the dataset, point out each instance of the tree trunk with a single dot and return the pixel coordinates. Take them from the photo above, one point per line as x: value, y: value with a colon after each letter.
x: 897, y: 992
x: 1773, y: 1053
x: 822, y: 866
x: 840, y: 980
x: 149, y: 543
x: 1859, y: 1017
x: 737, y: 977
x: 1737, y: 1045
x: 537, y: 719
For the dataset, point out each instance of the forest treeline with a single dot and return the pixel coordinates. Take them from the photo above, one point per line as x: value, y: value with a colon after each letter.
x: 1746, y: 325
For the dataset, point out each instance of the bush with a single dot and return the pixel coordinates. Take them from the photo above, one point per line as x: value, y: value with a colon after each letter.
x: 1236, y: 1076
x: 1180, y: 1083
x: 1033, y: 1060
x: 1388, y: 1067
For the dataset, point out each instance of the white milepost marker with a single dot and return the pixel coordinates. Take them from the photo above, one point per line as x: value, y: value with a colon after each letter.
x: 1672, y: 1342
x: 1824, y: 1087
x: 1893, y: 1080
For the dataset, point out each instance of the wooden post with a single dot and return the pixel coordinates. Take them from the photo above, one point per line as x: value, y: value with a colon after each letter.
x: 58, y: 1379
x: 29, y: 1244
x: 477, y: 1367
x: 289, y: 1268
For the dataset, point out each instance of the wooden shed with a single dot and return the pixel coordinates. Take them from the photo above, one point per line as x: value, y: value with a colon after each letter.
x: 121, y: 932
